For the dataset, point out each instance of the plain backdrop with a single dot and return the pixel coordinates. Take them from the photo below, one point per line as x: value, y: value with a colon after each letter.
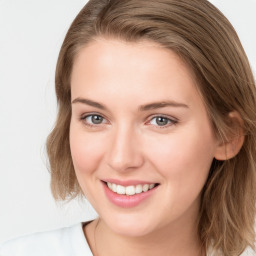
x: 31, y: 33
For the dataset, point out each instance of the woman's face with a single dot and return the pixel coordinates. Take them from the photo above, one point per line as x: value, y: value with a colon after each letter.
x: 138, y: 122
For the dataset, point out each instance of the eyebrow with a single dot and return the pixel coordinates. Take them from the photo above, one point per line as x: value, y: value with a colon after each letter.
x: 162, y: 104
x: 154, y: 105
x: 89, y: 102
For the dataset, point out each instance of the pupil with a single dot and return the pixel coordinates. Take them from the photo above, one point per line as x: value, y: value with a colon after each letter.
x: 161, y: 121
x: 96, y: 119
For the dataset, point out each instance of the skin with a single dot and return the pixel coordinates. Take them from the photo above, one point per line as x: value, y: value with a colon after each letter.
x: 129, y: 144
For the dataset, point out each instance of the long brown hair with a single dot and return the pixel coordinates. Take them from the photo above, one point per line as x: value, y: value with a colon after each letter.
x: 201, y: 35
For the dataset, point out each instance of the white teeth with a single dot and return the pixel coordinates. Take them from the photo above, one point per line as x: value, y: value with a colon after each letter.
x: 113, y: 187
x: 120, y: 190
x: 145, y: 187
x: 151, y: 186
x: 130, y: 190
x: 138, y: 189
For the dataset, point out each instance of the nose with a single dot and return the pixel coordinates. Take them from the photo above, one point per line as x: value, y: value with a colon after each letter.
x: 125, y: 150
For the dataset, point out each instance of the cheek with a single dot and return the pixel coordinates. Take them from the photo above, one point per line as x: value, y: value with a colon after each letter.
x: 183, y: 161
x: 85, y: 151
x: 183, y: 157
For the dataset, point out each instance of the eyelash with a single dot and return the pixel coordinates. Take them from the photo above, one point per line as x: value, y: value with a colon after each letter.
x: 171, y: 121
x: 83, y: 118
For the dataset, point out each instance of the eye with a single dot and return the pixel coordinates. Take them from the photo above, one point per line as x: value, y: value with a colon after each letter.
x: 93, y: 119
x: 162, y: 121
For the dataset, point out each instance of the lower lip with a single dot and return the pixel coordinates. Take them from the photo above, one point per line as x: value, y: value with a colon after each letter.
x: 127, y: 201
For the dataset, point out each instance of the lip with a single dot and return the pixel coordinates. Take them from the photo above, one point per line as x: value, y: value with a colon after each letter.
x: 125, y: 201
x: 128, y: 182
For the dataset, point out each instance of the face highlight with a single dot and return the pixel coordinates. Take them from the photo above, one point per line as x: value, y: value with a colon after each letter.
x: 140, y: 138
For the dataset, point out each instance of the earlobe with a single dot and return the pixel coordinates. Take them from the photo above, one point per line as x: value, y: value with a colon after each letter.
x: 231, y: 147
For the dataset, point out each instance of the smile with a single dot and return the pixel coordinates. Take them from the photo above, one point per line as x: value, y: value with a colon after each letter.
x: 128, y: 195
x: 130, y: 190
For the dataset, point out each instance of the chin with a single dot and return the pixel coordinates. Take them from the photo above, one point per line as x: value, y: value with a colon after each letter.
x: 130, y: 226
x: 129, y: 231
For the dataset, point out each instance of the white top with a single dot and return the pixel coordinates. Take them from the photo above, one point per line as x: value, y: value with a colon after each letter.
x: 68, y: 241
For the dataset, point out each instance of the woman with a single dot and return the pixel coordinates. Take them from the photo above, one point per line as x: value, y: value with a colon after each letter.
x: 157, y: 129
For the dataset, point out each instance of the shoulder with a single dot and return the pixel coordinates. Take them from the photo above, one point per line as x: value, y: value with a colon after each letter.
x: 64, y: 241
x: 211, y: 252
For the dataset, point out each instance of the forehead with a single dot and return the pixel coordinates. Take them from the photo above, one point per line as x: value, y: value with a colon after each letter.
x: 127, y: 69
x: 143, y: 54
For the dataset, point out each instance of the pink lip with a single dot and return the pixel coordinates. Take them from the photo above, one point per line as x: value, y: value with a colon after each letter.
x: 128, y: 182
x: 127, y: 201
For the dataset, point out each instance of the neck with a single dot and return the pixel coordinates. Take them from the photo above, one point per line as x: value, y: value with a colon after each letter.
x: 177, y: 239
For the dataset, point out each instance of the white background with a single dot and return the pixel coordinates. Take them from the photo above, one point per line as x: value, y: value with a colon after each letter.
x: 31, y: 33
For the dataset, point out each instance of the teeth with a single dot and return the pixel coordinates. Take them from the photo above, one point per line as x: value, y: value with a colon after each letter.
x: 130, y: 190
x: 138, y: 189
x: 145, y: 187
x: 109, y: 185
x: 113, y: 187
x: 120, y: 190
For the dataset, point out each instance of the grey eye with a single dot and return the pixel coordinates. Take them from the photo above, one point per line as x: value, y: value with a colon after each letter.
x: 97, y: 119
x: 161, y: 120
x: 94, y: 119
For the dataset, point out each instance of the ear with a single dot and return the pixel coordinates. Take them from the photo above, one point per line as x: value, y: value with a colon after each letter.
x: 230, y: 148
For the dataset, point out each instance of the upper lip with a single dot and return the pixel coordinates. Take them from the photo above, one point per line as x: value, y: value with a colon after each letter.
x: 128, y: 182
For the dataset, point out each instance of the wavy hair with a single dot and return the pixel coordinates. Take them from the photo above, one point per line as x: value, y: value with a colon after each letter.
x: 201, y: 35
